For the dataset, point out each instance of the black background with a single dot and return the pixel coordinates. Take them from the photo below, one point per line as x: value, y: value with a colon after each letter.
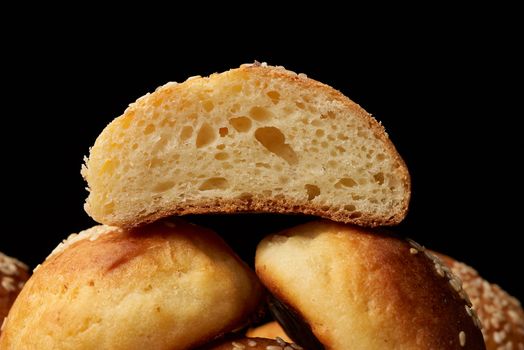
x: 445, y: 98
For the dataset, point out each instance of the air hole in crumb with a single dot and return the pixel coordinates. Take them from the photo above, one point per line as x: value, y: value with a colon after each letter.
x: 205, y: 136
x: 349, y: 207
x: 355, y: 215
x: 135, y: 146
x: 312, y: 191
x: 260, y: 114
x: 345, y: 182
x: 208, y: 106
x: 221, y: 146
x: 186, y: 133
x: 214, y: 183
x: 163, y: 186
x: 149, y: 129
x: 241, y: 124
x: 300, y: 105
x: 379, y: 178
x: 223, y: 132
x: 263, y: 165
x: 380, y: 157
x: 319, y: 132
x: 341, y: 149
x: 274, y: 96
x: 324, y: 144
x: 221, y: 156
x: 274, y: 141
x: 283, y: 179
x: 342, y: 137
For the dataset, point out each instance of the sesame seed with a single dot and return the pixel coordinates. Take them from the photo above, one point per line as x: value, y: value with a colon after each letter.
x: 8, y: 284
x: 238, y: 345
x: 280, y: 341
x: 413, y: 250
x: 499, y: 337
x: 273, y: 347
x: 462, y: 338
x: 251, y: 343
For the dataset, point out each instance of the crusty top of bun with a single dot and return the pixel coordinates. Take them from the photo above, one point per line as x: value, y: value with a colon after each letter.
x: 501, y: 314
x: 13, y: 275
x: 257, y: 139
x: 170, y: 285
x: 253, y: 343
x: 360, y: 289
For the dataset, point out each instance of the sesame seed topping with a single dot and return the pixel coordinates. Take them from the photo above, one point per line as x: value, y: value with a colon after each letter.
x: 413, y: 250
x: 280, y: 341
x: 251, y: 343
x: 9, y: 266
x: 238, y: 345
x: 462, y: 338
x: 91, y: 234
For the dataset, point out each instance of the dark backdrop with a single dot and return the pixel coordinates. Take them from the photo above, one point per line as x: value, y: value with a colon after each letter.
x: 443, y: 98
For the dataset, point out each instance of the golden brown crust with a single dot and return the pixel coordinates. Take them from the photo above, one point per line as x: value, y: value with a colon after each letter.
x: 252, y: 343
x: 501, y: 314
x: 169, y: 285
x: 13, y: 275
x: 361, y: 288
x: 283, y: 204
x: 268, y: 330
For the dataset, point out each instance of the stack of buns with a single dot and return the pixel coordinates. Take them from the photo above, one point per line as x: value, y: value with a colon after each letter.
x: 256, y: 139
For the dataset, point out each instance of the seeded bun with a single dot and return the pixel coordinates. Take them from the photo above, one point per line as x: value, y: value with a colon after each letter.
x: 360, y: 289
x: 251, y: 344
x: 169, y: 285
x: 252, y: 139
x: 13, y: 275
x: 501, y: 314
x: 268, y: 330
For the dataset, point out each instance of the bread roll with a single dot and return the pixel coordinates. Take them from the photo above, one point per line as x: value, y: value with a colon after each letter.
x: 169, y: 285
x: 253, y: 343
x: 268, y: 330
x: 13, y: 275
x: 360, y: 289
x: 501, y: 314
x: 252, y: 139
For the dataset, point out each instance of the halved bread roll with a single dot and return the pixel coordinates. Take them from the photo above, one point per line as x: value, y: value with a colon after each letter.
x: 252, y: 139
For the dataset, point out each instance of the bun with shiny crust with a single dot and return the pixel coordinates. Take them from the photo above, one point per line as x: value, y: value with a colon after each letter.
x: 360, y: 289
x: 170, y: 285
x: 501, y: 314
x: 13, y: 275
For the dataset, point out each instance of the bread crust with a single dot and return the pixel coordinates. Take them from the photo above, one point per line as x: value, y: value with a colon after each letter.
x: 365, y: 289
x: 501, y: 314
x: 170, y: 285
x: 282, y: 205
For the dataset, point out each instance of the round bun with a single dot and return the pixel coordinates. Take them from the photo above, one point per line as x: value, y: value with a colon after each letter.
x: 13, y: 275
x: 268, y: 330
x: 251, y: 344
x: 360, y: 289
x: 501, y: 314
x: 169, y: 285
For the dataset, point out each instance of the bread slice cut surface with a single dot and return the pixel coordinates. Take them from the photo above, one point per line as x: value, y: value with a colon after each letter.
x: 252, y: 139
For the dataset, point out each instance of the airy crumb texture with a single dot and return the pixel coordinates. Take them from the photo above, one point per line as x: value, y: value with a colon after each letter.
x: 501, y: 314
x: 253, y: 139
x: 268, y: 330
x: 169, y: 285
x: 13, y: 275
x: 360, y: 289
x: 233, y: 343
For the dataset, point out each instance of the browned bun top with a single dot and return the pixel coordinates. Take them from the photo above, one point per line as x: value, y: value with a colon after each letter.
x: 251, y: 344
x: 13, y: 275
x: 501, y: 314
x: 170, y: 285
x: 360, y: 289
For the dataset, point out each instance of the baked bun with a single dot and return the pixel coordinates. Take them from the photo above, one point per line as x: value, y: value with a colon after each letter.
x: 169, y: 285
x: 13, y: 275
x: 268, y: 330
x: 252, y: 139
x: 251, y: 343
x: 501, y: 314
x: 360, y: 289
